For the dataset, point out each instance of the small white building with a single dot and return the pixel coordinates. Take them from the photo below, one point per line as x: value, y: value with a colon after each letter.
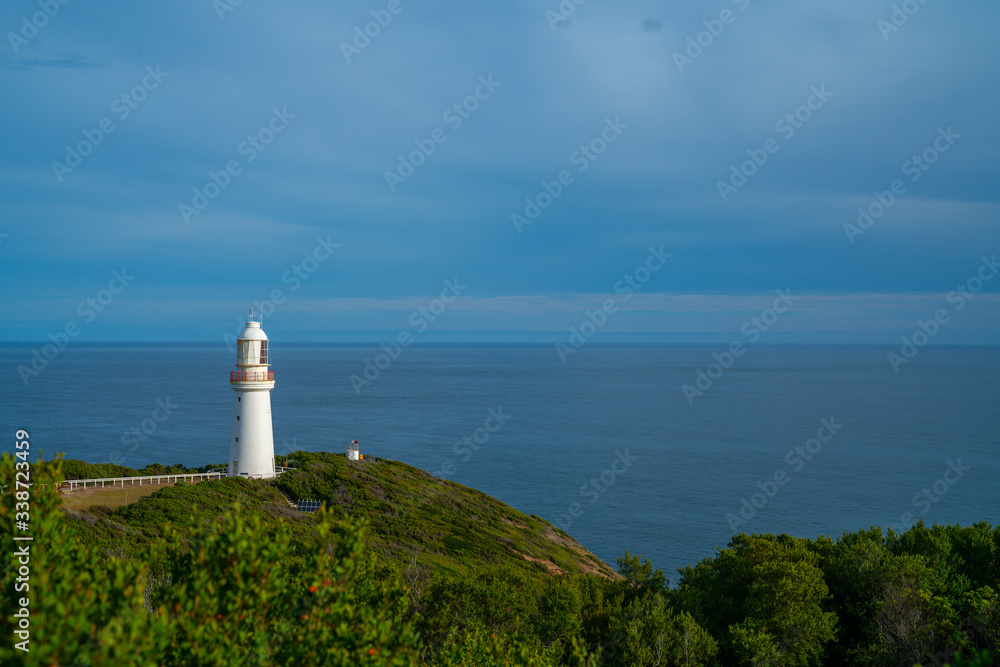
x: 251, y: 452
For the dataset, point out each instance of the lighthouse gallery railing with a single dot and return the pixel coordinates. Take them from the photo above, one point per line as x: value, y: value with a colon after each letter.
x: 251, y: 376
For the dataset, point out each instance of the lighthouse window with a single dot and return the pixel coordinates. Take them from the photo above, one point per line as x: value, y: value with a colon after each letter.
x: 263, y: 352
x: 237, y: 417
x: 244, y: 352
x: 239, y: 399
x: 236, y: 439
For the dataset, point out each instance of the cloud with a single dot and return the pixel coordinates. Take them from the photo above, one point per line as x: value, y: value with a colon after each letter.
x: 66, y: 62
x: 325, y: 176
x: 652, y: 25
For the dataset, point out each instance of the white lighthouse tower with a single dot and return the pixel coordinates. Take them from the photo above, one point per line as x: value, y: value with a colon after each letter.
x: 251, y: 452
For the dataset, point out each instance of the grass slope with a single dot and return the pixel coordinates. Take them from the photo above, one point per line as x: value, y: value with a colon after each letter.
x: 412, y: 515
x: 445, y: 524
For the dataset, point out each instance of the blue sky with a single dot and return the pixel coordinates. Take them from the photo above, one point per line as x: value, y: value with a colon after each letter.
x: 200, y: 81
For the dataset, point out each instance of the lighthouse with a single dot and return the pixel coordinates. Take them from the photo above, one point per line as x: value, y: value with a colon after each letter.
x: 251, y: 452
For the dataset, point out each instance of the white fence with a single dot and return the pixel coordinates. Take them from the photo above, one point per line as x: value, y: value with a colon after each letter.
x: 74, y: 484
x: 193, y: 477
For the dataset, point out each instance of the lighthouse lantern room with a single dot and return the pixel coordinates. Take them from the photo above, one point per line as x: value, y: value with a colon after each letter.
x: 251, y: 452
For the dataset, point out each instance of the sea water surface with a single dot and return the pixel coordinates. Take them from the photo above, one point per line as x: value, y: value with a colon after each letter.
x: 605, y: 445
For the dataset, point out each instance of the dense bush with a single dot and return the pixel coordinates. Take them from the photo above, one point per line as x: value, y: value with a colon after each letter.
x: 221, y: 593
x: 74, y: 469
x: 225, y: 573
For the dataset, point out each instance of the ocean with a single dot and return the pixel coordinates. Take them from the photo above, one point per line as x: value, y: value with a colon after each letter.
x: 806, y: 440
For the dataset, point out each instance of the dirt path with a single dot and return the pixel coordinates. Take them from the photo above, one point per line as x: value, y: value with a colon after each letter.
x: 112, y: 496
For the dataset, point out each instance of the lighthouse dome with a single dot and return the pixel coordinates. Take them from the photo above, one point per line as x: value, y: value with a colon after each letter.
x: 252, y: 332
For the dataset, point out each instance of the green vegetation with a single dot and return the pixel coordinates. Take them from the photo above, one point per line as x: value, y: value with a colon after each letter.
x: 405, y: 569
x: 419, y: 518
x: 74, y: 469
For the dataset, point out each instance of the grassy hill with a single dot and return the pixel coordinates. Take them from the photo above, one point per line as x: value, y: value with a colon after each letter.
x: 414, y: 517
x: 447, y: 525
